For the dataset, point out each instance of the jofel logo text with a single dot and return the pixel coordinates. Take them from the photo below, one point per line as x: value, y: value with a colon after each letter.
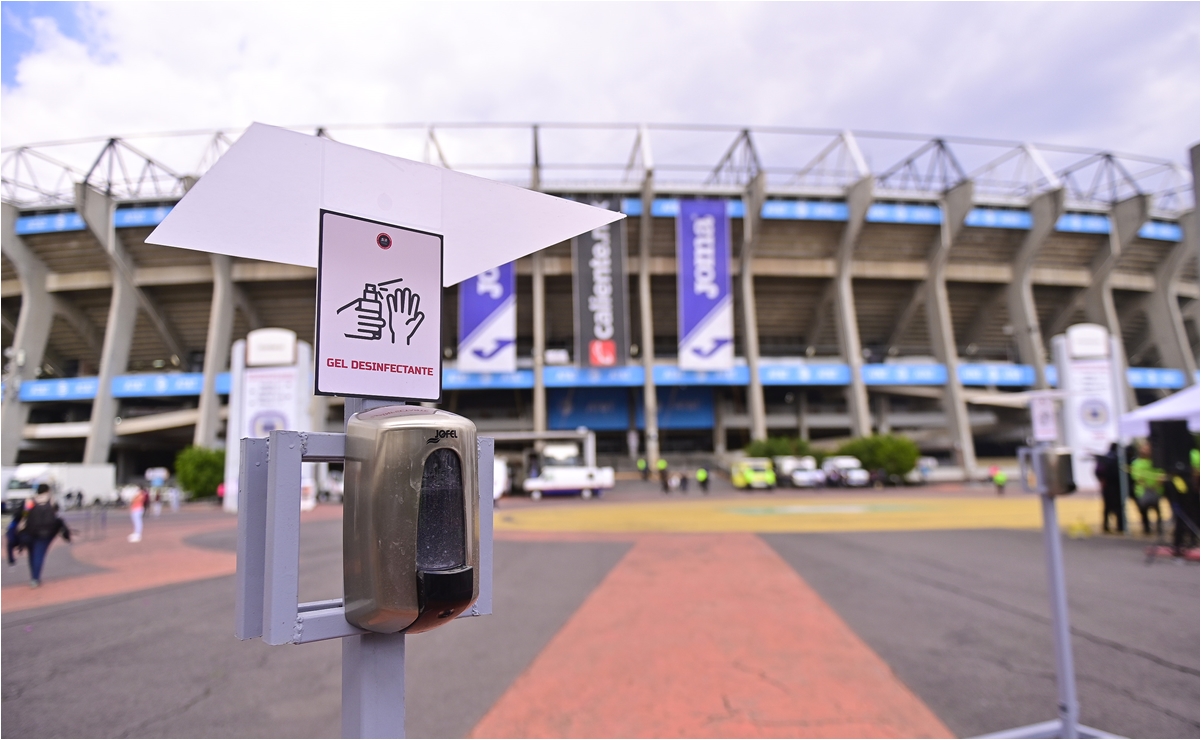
x: 442, y: 434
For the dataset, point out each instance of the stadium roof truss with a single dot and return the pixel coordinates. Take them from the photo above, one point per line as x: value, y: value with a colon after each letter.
x: 684, y: 160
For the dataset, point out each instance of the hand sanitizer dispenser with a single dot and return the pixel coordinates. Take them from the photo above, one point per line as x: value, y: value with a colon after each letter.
x: 410, y: 528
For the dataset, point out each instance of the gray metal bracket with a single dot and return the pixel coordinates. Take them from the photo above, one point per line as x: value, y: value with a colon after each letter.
x: 268, y: 569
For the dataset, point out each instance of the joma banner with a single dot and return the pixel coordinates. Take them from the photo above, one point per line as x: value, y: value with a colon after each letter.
x: 601, y: 305
x: 703, y: 274
x: 488, y: 321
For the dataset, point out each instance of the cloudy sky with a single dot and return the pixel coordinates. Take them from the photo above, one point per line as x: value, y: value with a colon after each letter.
x: 1112, y: 75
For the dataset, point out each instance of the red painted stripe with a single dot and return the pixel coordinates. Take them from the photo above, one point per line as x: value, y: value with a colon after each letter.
x: 707, y: 636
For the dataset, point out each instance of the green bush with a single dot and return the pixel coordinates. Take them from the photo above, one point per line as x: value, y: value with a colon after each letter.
x: 200, y: 470
x: 781, y: 446
x: 894, y: 454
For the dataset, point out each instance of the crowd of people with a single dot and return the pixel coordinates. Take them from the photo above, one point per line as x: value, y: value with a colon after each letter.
x: 1150, y: 488
x: 670, y: 480
x: 36, y: 524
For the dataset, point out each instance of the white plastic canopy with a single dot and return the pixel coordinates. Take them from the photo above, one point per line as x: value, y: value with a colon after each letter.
x: 262, y: 200
x: 1183, y: 405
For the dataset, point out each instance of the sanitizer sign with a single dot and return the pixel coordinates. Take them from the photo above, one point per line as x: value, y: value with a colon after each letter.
x: 379, y: 310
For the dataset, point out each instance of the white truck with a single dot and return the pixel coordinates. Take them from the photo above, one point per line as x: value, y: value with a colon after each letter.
x: 561, y: 470
x: 97, y: 483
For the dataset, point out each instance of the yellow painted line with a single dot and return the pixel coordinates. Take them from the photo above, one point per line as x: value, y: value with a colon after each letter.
x: 787, y: 514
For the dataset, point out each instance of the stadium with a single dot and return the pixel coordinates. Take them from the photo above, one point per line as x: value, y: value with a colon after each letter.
x: 882, y: 282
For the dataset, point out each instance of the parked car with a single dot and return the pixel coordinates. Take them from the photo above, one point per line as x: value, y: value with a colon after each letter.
x: 753, y: 472
x: 845, y: 470
x: 921, y: 472
x: 501, y: 481
x: 785, y: 465
x: 807, y: 474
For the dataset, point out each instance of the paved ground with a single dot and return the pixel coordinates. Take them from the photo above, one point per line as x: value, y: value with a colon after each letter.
x: 922, y: 613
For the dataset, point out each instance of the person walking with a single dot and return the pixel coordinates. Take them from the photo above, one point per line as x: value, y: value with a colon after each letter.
x: 643, y: 469
x: 1148, y: 488
x: 702, y: 480
x: 999, y: 479
x: 663, y: 476
x: 683, y: 482
x: 12, y: 541
x: 137, y: 509
x: 40, y: 525
x: 1108, y: 474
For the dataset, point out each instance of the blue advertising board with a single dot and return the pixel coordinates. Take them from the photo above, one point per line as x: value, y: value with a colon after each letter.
x: 679, y: 408
x: 804, y: 374
x: 599, y: 409
x: 142, y: 385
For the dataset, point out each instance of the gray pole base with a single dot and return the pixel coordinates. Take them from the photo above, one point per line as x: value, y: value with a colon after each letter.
x: 1054, y: 728
x: 373, y: 686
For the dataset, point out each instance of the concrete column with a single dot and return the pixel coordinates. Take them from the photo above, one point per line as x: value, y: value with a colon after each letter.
x: 719, y: 421
x: 30, y: 337
x: 650, y: 398
x: 1163, y: 305
x: 956, y: 203
x: 803, y: 415
x: 752, y: 202
x: 97, y: 211
x: 1125, y: 219
x: 216, y: 352
x: 1045, y: 211
x: 883, y: 411
x: 859, y: 199
x: 538, y: 279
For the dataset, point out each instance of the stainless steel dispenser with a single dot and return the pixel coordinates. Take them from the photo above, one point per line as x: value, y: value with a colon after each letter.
x: 1047, y: 470
x: 410, y: 528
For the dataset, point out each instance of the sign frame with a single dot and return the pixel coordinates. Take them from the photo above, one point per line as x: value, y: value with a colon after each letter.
x: 317, y: 324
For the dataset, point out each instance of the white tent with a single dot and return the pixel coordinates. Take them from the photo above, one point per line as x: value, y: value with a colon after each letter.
x: 1183, y: 405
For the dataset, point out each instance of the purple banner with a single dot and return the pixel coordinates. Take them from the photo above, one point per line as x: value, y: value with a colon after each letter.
x: 488, y: 321
x: 705, y: 303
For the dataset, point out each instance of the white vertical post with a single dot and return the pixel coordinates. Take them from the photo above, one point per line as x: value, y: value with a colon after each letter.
x: 252, y: 539
x: 282, y: 577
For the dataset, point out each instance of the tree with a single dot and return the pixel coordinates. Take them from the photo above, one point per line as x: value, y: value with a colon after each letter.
x: 895, y: 454
x: 200, y: 470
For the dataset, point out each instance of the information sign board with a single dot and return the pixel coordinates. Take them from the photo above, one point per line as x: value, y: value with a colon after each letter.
x: 379, y: 310
x: 1043, y: 419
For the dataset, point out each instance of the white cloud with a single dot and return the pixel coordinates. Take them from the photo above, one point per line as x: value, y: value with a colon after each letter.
x: 1107, y: 75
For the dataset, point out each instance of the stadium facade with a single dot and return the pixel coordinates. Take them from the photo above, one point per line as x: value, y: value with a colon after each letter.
x: 882, y: 282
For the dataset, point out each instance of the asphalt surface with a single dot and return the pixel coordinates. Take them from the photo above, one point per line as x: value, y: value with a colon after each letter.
x: 960, y: 617
x: 164, y: 662
x: 963, y: 618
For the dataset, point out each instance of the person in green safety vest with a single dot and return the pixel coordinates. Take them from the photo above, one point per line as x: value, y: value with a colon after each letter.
x: 999, y: 479
x: 643, y: 469
x: 1148, y: 488
x: 702, y: 479
x: 663, y: 475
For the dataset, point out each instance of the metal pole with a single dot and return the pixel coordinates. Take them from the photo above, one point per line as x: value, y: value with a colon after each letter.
x: 1069, y: 708
x: 373, y: 665
x: 373, y: 686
